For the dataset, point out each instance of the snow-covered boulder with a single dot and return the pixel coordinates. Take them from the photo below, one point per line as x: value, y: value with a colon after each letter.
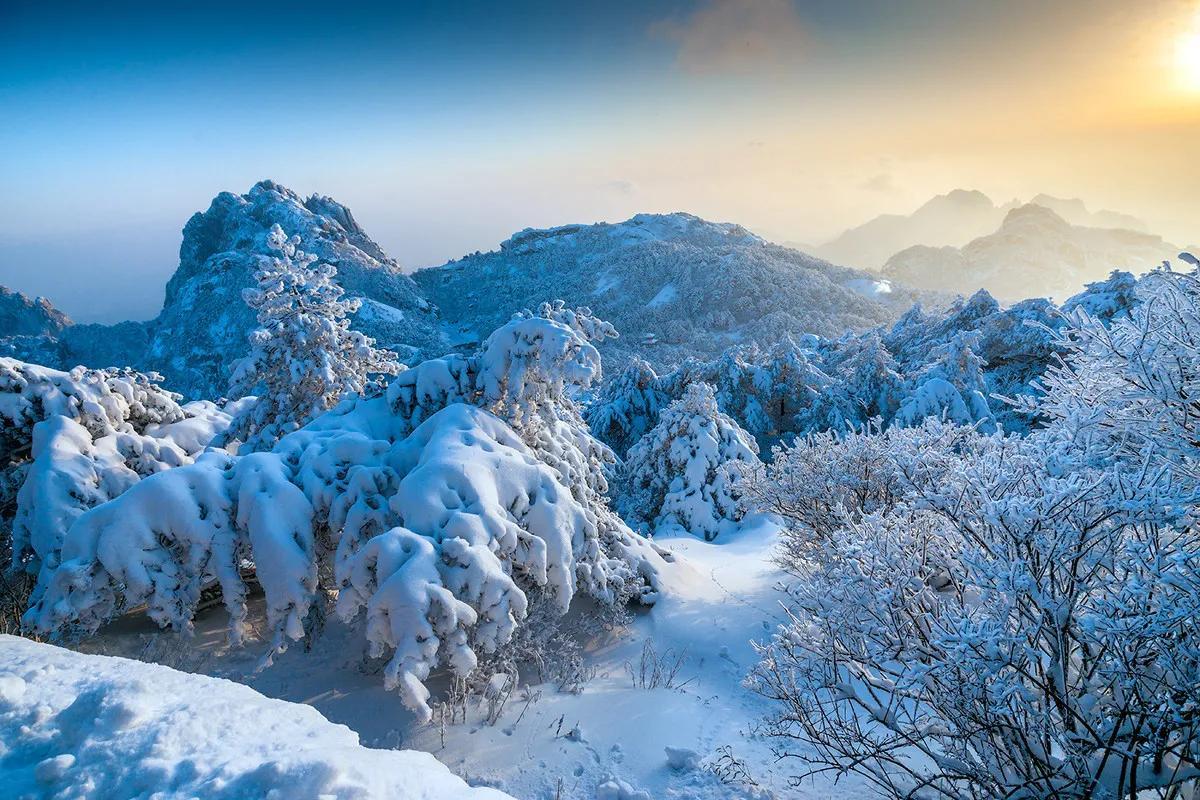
x: 94, y: 727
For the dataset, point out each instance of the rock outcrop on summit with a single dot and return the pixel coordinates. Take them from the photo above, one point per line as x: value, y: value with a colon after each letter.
x: 202, y: 327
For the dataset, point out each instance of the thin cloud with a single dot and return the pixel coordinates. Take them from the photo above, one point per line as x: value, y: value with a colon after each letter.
x: 883, y: 183
x: 736, y: 36
x: 621, y: 187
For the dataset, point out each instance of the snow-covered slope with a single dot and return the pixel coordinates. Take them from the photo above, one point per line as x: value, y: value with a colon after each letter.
x: 674, y: 286
x: 608, y: 741
x: 1034, y: 252
x: 87, y: 726
x: 203, y: 324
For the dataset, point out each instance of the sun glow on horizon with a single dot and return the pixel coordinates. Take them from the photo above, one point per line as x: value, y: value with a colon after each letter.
x: 1187, y: 58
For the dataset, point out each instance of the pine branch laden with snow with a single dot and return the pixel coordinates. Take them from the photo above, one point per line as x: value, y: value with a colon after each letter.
x: 73, y: 440
x: 1011, y: 617
x: 303, y: 356
x: 432, y: 510
x: 681, y: 474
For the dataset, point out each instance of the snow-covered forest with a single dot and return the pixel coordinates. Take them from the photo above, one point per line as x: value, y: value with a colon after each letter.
x: 950, y: 552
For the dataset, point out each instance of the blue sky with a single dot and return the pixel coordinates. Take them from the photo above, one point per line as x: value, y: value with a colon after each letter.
x: 445, y: 126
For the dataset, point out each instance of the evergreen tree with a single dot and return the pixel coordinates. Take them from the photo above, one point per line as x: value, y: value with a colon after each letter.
x: 304, y: 357
x: 681, y: 473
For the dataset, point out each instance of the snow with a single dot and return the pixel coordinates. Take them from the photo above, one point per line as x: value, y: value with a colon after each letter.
x: 869, y: 287
x: 715, y: 599
x: 606, y: 283
x: 87, y: 726
x: 667, y: 294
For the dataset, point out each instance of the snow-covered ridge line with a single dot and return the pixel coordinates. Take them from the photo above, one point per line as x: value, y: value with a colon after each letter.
x: 675, y: 285
x: 639, y: 227
x: 94, y: 727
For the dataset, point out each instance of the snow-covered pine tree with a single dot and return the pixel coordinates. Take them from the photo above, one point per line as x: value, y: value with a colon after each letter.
x: 461, y: 504
x: 304, y: 357
x: 864, y: 384
x: 72, y: 440
x: 628, y: 407
x: 951, y: 386
x: 681, y: 474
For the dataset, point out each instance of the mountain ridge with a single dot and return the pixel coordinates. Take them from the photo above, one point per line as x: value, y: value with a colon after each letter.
x: 952, y: 219
x: 675, y: 285
x: 201, y: 330
x: 1033, y: 251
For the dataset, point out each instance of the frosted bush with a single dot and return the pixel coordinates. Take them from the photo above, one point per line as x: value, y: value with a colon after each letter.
x: 991, y: 616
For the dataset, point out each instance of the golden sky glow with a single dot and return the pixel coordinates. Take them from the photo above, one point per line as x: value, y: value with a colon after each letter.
x: 447, y: 130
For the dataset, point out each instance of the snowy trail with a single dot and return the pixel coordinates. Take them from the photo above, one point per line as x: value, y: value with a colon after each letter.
x: 718, y: 598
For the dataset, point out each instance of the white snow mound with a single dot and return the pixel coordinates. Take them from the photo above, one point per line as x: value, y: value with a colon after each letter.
x: 89, y: 726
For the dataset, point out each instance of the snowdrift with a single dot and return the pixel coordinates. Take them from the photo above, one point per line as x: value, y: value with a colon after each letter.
x: 99, y: 727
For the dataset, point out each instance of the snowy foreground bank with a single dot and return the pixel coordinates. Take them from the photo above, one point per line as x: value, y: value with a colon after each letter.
x: 85, y: 726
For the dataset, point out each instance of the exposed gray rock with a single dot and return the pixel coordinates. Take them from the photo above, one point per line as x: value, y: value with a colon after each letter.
x: 21, y: 315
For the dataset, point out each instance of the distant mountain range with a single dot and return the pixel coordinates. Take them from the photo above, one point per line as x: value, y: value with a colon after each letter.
x: 948, y: 219
x: 962, y: 241
x: 1034, y: 252
x: 951, y: 220
x: 675, y: 285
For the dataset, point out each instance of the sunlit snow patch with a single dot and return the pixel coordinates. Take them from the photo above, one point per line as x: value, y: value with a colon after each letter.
x: 665, y: 295
x: 869, y: 287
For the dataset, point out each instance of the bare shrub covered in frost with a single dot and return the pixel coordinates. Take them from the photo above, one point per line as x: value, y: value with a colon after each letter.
x: 820, y: 482
x: 1004, y: 617
x: 303, y: 355
x: 434, y: 511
